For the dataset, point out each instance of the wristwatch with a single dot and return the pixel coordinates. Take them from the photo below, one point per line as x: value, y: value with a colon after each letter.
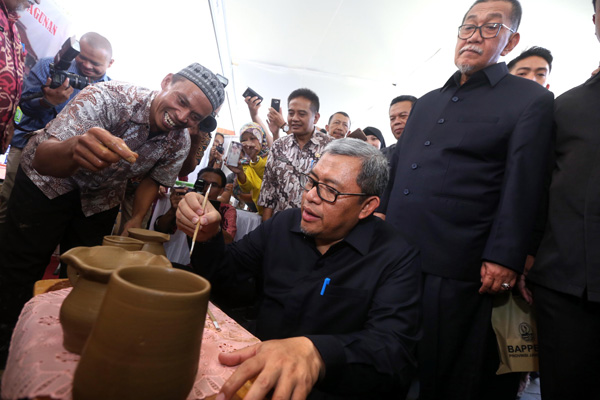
x: 285, y: 127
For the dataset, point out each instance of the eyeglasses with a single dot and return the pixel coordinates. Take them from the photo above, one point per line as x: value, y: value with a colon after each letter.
x: 487, y: 31
x: 325, y: 192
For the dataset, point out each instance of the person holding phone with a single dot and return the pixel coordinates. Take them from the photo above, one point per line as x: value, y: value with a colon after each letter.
x: 251, y: 168
x: 254, y: 103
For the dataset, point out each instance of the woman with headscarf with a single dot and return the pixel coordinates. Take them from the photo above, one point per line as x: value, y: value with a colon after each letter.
x: 251, y: 168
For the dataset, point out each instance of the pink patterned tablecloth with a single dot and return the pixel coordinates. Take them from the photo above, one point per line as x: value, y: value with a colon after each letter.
x: 38, y: 364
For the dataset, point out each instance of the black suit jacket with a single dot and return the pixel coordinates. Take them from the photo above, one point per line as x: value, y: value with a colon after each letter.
x: 467, y: 173
x: 568, y: 259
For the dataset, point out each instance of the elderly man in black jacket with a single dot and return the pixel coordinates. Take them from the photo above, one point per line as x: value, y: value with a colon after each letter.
x: 467, y: 176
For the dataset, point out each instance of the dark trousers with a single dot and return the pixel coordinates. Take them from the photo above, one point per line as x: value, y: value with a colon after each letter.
x: 35, y: 226
x: 568, y: 330
x: 458, y: 355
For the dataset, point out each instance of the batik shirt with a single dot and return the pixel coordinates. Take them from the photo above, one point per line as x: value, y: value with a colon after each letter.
x: 11, y: 67
x: 281, y: 182
x: 123, y: 110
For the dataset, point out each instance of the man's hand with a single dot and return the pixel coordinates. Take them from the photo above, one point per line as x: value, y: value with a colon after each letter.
x: 493, y: 276
x: 57, y: 95
x: 95, y: 150
x: 132, y: 223
x: 522, y: 283
x: 189, y: 212
x: 176, y: 196
x: 253, y: 105
x: 289, y: 366
x: 98, y: 148
x: 8, y: 136
x: 275, y: 120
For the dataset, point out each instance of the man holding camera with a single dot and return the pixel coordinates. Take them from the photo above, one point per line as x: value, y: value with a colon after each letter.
x: 73, y: 173
x: 92, y: 62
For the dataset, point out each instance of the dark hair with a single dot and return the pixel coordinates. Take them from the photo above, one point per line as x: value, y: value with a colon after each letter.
x: 515, y: 15
x: 405, y: 97
x: 217, y: 171
x: 341, y: 113
x: 531, y: 52
x: 308, y: 95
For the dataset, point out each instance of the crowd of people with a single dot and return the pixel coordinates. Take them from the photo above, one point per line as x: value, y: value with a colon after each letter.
x: 376, y: 264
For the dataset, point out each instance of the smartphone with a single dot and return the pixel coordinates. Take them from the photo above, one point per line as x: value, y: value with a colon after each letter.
x: 234, y: 153
x: 251, y: 93
x: 275, y: 104
x: 357, y: 134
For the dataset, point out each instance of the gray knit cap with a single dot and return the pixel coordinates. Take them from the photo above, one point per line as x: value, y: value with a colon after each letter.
x: 207, y: 82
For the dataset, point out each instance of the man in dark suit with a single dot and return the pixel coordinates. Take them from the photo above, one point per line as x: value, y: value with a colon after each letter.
x: 467, y: 176
x: 566, y: 273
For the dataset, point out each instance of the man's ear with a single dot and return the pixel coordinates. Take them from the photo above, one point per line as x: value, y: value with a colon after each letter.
x: 368, y: 207
x: 166, y: 81
x: 512, y: 43
x: 317, y: 116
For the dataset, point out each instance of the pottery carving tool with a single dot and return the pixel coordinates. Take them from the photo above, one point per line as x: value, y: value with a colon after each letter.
x: 214, y: 320
x: 198, y: 224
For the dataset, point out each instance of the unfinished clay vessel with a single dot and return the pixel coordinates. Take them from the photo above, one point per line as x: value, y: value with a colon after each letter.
x: 153, y: 241
x: 123, y: 242
x: 127, y: 243
x: 92, y: 267
x: 146, y: 341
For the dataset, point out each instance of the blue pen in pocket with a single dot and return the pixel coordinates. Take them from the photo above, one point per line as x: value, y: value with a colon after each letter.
x: 325, y: 283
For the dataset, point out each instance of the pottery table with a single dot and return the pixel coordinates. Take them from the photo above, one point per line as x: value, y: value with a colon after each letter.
x: 38, y: 366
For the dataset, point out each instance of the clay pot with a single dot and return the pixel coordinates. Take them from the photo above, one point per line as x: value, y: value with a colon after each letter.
x: 153, y: 241
x: 146, y: 341
x: 123, y: 242
x: 127, y: 243
x: 92, y: 267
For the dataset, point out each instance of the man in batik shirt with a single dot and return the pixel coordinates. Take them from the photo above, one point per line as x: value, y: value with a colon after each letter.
x: 74, y: 172
x: 292, y: 155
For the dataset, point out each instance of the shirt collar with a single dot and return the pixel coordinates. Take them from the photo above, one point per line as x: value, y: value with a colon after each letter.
x: 359, y: 237
x: 492, y: 74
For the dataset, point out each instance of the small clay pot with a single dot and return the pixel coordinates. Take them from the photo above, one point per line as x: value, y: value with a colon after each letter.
x: 153, y: 240
x: 146, y: 341
x: 124, y: 242
x: 93, y: 267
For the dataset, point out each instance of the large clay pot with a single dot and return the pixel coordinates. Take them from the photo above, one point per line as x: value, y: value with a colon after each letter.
x: 92, y: 268
x: 146, y: 341
x: 153, y: 241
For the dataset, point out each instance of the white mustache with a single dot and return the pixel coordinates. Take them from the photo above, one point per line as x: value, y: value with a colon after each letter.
x: 471, y: 47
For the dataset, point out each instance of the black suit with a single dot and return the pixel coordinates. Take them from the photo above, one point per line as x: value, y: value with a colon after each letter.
x: 567, y: 266
x: 466, y: 179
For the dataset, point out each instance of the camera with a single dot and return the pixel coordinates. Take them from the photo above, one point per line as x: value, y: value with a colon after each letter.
x: 199, y: 186
x: 220, y: 148
x: 62, y: 62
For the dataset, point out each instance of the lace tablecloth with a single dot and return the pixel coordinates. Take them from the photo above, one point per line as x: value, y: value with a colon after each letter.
x: 38, y: 365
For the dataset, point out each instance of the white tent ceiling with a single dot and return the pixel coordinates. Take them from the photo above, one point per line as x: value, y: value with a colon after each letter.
x: 355, y: 55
